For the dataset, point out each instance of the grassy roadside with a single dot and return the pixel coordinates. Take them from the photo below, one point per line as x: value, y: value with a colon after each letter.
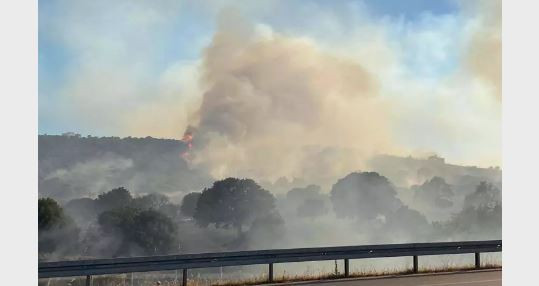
x: 124, y: 280
x: 357, y: 274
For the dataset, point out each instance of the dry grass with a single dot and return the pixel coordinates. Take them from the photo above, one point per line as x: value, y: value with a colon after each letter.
x: 357, y: 274
x: 124, y: 280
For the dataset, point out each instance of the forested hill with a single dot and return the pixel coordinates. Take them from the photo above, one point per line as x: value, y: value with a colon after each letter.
x: 405, y: 171
x: 73, y: 166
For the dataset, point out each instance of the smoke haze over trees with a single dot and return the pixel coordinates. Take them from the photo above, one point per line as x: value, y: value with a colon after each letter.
x: 364, y: 196
x: 239, y: 214
x: 57, y: 231
x: 109, y: 191
x: 72, y: 166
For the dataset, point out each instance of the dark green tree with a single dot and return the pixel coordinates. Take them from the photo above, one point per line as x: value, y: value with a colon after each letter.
x: 50, y: 214
x: 157, y: 202
x: 141, y: 232
x: 82, y: 210
x: 55, y: 228
x: 171, y: 210
x: 364, y: 195
x: 486, y: 194
x: 233, y: 203
x: 189, y: 204
x: 473, y: 223
x: 406, y: 225
x: 434, y: 192
x: 151, y: 201
x: 266, y: 231
x: 307, y: 201
x: 298, y: 195
x: 114, y: 199
x: 312, y: 208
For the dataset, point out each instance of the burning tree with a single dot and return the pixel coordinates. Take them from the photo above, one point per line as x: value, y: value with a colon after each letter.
x: 188, y: 140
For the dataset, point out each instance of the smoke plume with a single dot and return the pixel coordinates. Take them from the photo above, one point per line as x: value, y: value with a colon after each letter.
x: 484, y: 51
x: 278, y: 106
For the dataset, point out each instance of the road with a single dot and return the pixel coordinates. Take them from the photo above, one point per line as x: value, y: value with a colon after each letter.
x: 478, y: 278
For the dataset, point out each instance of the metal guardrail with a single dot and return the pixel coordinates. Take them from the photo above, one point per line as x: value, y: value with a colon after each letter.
x: 207, y: 260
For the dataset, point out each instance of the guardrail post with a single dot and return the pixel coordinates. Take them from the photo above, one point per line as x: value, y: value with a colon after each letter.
x: 270, y: 273
x: 477, y: 260
x: 416, y: 264
x: 346, y: 267
x: 88, y: 280
x: 184, y: 277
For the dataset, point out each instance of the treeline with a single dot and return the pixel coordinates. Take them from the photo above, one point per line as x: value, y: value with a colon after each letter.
x: 238, y: 214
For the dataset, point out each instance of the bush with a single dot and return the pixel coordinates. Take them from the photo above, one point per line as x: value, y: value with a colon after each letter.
x: 55, y: 229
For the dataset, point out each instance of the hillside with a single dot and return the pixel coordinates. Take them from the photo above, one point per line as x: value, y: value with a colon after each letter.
x: 407, y: 171
x: 73, y: 166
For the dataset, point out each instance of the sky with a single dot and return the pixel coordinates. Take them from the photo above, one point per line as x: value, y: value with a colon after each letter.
x: 142, y: 68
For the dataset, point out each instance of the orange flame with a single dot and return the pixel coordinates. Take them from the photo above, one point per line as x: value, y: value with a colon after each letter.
x: 187, y: 139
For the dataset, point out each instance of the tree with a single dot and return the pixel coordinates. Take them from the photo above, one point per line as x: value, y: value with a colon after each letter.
x: 50, y: 214
x: 365, y: 195
x: 171, y: 210
x: 233, y: 203
x: 473, y: 223
x: 307, y: 201
x: 155, y: 233
x: 54, y: 227
x: 435, y: 191
x: 189, y: 204
x: 82, y: 210
x: 114, y: 199
x: 151, y: 201
x: 298, y: 195
x: 157, y: 202
x: 266, y: 231
x: 312, y: 208
x: 485, y: 194
x: 144, y: 232
x: 406, y: 225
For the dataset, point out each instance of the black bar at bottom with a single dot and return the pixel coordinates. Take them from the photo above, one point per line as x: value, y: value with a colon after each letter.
x: 416, y: 264
x: 477, y: 260
x: 184, y: 277
x: 346, y: 267
x: 270, y: 274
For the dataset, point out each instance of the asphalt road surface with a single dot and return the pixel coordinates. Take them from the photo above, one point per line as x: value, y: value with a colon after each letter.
x: 479, y: 278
